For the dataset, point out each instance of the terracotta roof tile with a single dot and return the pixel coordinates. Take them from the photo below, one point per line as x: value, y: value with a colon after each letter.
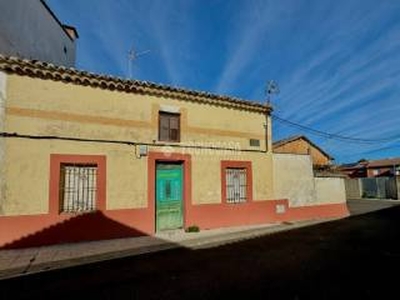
x: 39, y: 69
x: 389, y: 162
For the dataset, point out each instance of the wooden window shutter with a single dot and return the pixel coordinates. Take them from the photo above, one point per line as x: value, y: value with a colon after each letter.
x: 169, y: 127
x: 163, y: 127
x: 174, y: 127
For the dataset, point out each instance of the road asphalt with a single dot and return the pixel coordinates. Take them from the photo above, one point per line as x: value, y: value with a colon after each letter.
x: 22, y: 262
x: 354, y: 257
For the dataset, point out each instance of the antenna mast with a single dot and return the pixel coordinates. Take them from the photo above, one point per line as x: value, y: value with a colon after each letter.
x: 132, y: 56
x: 271, y: 88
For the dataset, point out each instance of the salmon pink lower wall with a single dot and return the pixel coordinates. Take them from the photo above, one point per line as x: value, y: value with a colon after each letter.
x: 318, y: 212
x: 208, y: 216
x: 38, y: 230
x: 48, y: 229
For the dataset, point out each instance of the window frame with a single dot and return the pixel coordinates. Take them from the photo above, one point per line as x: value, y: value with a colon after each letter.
x: 236, y: 185
x: 56, y: 162
x: 169, y: 115
x: 90, y: 189
x: 227, y: 164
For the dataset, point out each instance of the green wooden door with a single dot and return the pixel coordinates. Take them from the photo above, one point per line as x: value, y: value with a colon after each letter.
x: 169, y: 196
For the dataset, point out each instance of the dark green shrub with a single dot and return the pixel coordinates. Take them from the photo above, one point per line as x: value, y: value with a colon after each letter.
x: 193, y: 228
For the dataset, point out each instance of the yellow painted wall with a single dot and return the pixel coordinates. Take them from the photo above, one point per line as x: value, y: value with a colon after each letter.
x: 206, y: 176
x: 301, y: 146
x: 3, y: 94
x: 28, y: 166
x: 28, y: 169
x: 44, y: 107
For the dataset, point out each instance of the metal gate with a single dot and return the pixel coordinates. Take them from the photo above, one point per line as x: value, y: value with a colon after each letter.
x: 380, y: 187
x: 353, y: 190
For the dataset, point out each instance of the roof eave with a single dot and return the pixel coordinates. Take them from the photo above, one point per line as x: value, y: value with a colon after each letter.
x: 49, y: 71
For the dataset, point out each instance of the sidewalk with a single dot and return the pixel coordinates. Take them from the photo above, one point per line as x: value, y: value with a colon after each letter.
x: 21, y: 262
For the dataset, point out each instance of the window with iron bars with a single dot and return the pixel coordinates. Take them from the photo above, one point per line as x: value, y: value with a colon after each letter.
x: 236, y: 185
x: 78, y: 188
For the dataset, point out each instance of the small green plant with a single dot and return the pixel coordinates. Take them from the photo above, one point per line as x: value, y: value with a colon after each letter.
x: 193, y: 228
x: 367, y: 195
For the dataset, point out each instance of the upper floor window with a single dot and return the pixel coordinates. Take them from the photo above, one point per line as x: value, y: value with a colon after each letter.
x: 169, y: 127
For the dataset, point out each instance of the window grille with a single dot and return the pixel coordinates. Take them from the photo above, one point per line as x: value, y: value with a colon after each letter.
x: 236, y: 185
x: 78, y: 187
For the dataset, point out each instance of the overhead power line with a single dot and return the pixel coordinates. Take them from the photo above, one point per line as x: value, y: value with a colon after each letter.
x: 361, y: 154
x: 333, y: 136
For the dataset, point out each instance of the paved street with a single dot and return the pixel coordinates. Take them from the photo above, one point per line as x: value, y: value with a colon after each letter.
x: 362, y: 206
x: 353, y: 257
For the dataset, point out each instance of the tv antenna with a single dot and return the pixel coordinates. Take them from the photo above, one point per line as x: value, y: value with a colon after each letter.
x: 271, y: 88
x: 132, y: 56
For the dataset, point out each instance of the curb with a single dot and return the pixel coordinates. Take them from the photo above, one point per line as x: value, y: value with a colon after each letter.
x: 77, y: 261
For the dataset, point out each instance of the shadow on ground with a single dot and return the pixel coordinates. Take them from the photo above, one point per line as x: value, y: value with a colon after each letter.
x: 83, y: 227
x: 352, y: 257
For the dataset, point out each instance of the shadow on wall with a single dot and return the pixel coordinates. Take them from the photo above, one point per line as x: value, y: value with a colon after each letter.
x: 83, y: 227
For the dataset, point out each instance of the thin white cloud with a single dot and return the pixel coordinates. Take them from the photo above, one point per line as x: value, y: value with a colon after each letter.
x: 171, y: 28
x: 258, y: 18
x: 314, y: 95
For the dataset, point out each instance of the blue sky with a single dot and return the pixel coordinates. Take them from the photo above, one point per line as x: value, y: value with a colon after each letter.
x: 337, y: 62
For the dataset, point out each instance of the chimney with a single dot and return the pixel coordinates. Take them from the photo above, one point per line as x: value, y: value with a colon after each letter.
x: 71, y: 31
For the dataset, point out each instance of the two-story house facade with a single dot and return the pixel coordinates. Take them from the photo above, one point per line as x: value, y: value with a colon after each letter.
x: 87, y: 157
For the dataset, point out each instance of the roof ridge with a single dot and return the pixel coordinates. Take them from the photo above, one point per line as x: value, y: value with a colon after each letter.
x: 289, y: 138
x: 300, y: 136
